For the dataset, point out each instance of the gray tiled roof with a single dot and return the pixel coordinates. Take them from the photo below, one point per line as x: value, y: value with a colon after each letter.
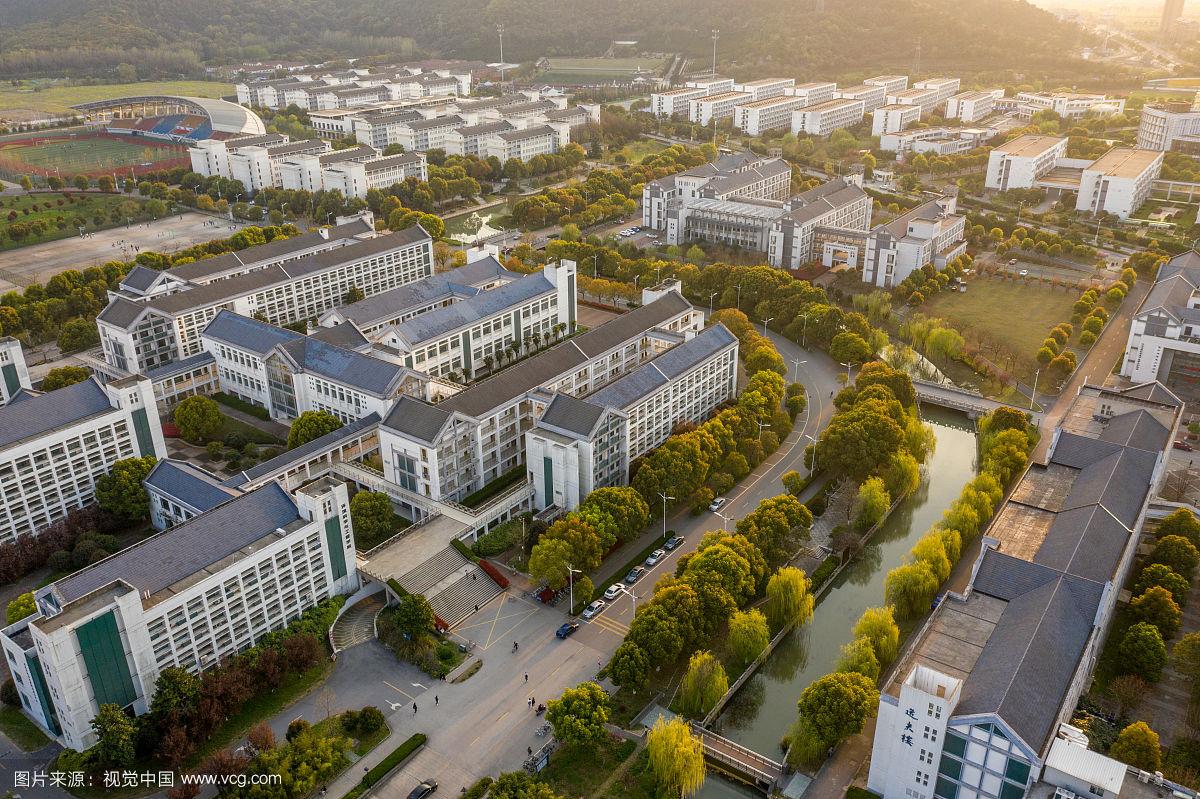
x: 140, y: 278
x: 357, y: 152
x: 442, y: 321
x: 404, y: 159
x: 121, y: 312
x: 822, y: 199
x: 570, y: 415
x: 274, y: 250
x: 536, y: 132
x: 417, y: 419
x: 1027, y: 665
x: 646, y: 379
x: 485, y: 128
x: 247, y: 334
x: 396, y: 302
x: 345, y: 335
x: 188, y: 485
x: 281, y: 463
x: 340, y: 365
x: 454, y: 121
x: 53, y: 410
x: 179, y: 367
x: 302, y: 146
x: 1137, y: 429
x: 176, y: 554
x: 1119, y: 482
x: 1154, y: 392
x: 1086, y: 541
x: 565, y: 357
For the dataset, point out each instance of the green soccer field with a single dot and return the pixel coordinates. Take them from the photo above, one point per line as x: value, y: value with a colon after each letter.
x: 82, y: 154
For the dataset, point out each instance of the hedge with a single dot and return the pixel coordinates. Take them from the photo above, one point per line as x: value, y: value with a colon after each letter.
x: 464, y: 550
x: 497, y: 486
x: 478, y: 788
x: 398, y: 756
x: 494, y: 573
x: 242, y: 405
x: 394, y: 584
x: 823, y: 572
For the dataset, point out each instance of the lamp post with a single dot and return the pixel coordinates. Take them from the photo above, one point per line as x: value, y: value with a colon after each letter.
x: 595, y: 264
x: 500, y: 33
x: 739, y: 298
x: 710, y: 300
x: 768, y: 319
x: 1033, y: 392
x: 804, y: 332
x: 571, y: 583
x: 761, y: 425
x: 847, y: 364
x: 724, y: 522
x: 716, y: 34
x: 814, y: 458
x: 665, y: 497
x: 796, y: 372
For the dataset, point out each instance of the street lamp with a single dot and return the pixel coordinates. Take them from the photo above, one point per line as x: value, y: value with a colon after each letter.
x: 665, y: 497
x: 1033, y: 392
x: 716, y: 34
x: 595, y: 264
x: 724, y: 522
x: 571, y: 583
x: 739, y: 298
x: 804, y: 332
x: 768, y: 319
x: 814, y: 458
x: 710, y: 300
x: 796, y: 372
x: 761, y: 425
x: 847, y: 364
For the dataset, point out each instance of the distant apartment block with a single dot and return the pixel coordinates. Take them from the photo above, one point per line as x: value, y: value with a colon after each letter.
x: 1068, y: 105
x: 815, y: 92
x: 891, y: 83
x: 674, y: 102
x: 715, y: 107
x: 969, y: 107
x: 893, y: 118
x: 945, y: 87
x: 773, y: 113
x: 928, y: 100
x: 1170, y: 126
x: 939, y: 141
x: 765, y: 88
x: 824, y: 118
x: 872, y: 96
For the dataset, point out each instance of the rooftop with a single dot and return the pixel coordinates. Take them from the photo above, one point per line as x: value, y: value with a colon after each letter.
x: 1126, y: 162
x: 1029, y: 145
x: 626, y: 391
x: 279, y: 248
x: 723, y: 96
x: 444, y: 321
x: 830, y: 105
x: 281, y: 463
x: 188, y: 484
x: 39, y: 414
x: 769, y: 102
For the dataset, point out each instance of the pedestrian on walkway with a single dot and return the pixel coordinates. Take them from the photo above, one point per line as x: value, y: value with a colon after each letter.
x: 529, y: 751
x: 414, y: 708
x: 436, y: 700
x: 526, y: 676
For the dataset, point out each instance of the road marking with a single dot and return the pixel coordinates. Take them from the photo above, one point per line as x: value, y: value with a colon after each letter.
x: 401, y: 690
x: 611, y: 625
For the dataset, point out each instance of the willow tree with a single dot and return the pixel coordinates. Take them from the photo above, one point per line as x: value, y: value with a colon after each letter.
x: 676, y: 758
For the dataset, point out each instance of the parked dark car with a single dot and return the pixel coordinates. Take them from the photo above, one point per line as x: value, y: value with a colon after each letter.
x: 423, y: 790
x: 566, y: 630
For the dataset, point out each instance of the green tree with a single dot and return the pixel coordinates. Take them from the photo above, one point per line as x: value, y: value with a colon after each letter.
x: 78, y: 334
x: 878, y: 625
x: 413, y: 616
x: 308, y: 761
x: 198, y: 418
x: 694, y: 254
x: 121, y: 492
x: 930, y: 549
x: 549, y: 561
x: 353, y: 295
x: 848, y: 347
x: 1156, y: 606
x: 703, y: 684
x: 838, y: 705
x: 859, y: 656
x: 676, y: 758
x: 26, y: 183
x: 629, y: 667
x: 1182, y: 523
x: 624, y: 505
x: 20, y: 607
x: 115, y: 736
x: 748, y: 636
x: 1186, y: 655
x: 1142, y: 651
x: 1177, y: 553
x: 579, y: 715
x: 373, y: 517
x: 520, y: 785
x: 570, y: 232
x: 175, y: 691
x: 870, y: 504
x: 1138, y: 746
x: 789, y: 598
x: 910, y: 588
x: 311, y: 425
x: 63, y: 376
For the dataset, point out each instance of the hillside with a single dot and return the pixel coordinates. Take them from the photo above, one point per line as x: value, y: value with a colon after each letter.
x: 764, y: 35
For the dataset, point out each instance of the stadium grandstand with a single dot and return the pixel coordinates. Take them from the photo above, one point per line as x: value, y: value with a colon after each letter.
x: 171, y: 118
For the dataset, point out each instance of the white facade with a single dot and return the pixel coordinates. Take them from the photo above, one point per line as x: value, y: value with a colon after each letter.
x: 356, y: 178
x: 927, y: 99
x: 839, y: 205
x: 713, y: 107
x: 931, y: 233
x: 522, y: 144
x: 891, y: 83
x: 941, y: 141
x: 1164, y: 336
x: 970, y: 107
x: 815, y: 93
x: 1068, y: 105
x: 823, y: 119
x: 55, y: 446
x: 14, y: 374
x: 256, y: 167
x: 104, y: 634
x: 872, y: 96
x: 712, y: 85
x: 945, y: 87
x: 674, y: 102
x: 1163, y: 126
x: 893, y: 118
x: 1018, y: 164
x: 773, y: 113
x: 1118, y: 182
x: 765, y: 88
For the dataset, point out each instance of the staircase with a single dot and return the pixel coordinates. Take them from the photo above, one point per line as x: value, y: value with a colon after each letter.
x: 452, y: 584
x: 357, y: 624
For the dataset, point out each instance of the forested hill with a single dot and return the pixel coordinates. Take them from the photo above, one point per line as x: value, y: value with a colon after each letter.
x: 757, y: 36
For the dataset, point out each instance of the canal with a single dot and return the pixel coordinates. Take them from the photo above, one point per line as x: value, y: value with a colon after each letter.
x: 761, y: 713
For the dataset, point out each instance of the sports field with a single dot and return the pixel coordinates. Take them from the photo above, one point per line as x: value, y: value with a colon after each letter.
x: 606, y: 64
x: 85, y: 153
x: 54, y: 97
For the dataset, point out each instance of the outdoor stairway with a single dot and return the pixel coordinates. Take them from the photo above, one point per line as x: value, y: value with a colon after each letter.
x: 357, y: 624
x: 458, y: 600
x: 452, y: 584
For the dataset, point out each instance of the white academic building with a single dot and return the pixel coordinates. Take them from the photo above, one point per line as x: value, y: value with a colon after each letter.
x: 200, y: 591
x: 1170, y: 126
x: 931, y: 233
x: 14, y: 374
x: 1164, y: 336
x: 969, y: 107
x: 53, y: 447
x: 893, y: 118
x: 1019, y: 163
x: 824, y: 118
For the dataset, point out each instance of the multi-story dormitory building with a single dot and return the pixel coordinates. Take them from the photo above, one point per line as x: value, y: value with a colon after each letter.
x: 140, y: 333
x: 351, y: 88
x: 473, y: 328
x: 742, y: 176
x: 53, y: 447
x: 335, y: 370
x: 981, y: 703
x: 14, y: 374
x: 931, y: 233
x: 816, y: 221
x: 449, y: 449
x: 202, y: 590
x: 309, y: 165
x: 579, y: 445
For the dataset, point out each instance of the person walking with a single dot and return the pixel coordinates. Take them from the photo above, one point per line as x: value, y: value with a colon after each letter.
x: 526, y: 676
x: 414, y: 708
x: 436, y: 700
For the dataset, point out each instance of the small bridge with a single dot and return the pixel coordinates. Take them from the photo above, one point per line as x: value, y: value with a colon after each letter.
x: 969, y: 402
x: 762, y: 771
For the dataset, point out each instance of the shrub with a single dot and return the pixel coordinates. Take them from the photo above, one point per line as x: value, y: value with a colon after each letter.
x: 1143, y: 652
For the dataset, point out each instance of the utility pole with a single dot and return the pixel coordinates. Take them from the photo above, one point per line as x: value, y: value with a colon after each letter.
x: 500, y: 32
x: 716, y: 34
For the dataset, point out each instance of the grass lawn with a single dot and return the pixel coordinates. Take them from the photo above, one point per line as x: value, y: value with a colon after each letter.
x: 23, y: 732
x: 47, y: 96
x: 62, y: 214
x: 333, y: 726
x: 635, y: 782
x: 86, y: 153
x: 579, y: 770
x: 251, y: 433
x: 1011, y: 315
x: 606, y: 64
x: 638, y: 149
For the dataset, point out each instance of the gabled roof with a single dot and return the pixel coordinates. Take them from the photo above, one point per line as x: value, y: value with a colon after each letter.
x: 140, y: 278
x: 453, y: 121
x: 179, y: 367
x: 442, y: 321
x: 629, y: 389
x: 281, y: 463
x: 344, y: 335
x: 416, y: 419
x: 340, y: 365
x: 247, y: 334
x: 122, y: 313
x: 189, y: 485
x: 575, y: 417
x: 186, y: 550
x: 1153, y: 392
x: 1138, y: 429
x: 36, y: 415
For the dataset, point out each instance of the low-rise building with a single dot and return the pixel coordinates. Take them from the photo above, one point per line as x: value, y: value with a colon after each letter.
x: 674, y: 102
x: 816, y: 92
x: 1068, y: 105
x: 1170, y: 126
x: 928, y: 99
x: 1019, y: 163
x: 203, y: 590
x: 579, y: 445
x: 14, y: 374
x: 893, y: 118
x: 931, y: 233
x: 1118, y: 182
x: 872, y: 95
x: 824, y: 118
x: 1164, y: 336
x: 970, y: 107
x: 714, y: 107
x: 742, y: 175
x: 773, y: 113
x: 765, y: 87
x: 522, y: 144
x: 939, y: 141
x: 54, y: 446
x: 945, y: 87
x: 892, y: 83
